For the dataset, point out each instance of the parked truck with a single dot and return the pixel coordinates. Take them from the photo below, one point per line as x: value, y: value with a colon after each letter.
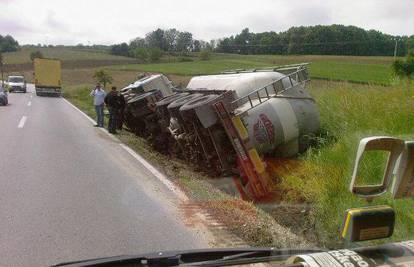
x: 48, y: 78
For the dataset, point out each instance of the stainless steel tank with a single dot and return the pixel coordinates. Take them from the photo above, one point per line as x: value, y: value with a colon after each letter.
x: 283, y: 124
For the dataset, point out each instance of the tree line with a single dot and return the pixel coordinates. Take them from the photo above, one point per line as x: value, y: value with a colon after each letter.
x: 160, y: 41
x: 305, y: 40
x: 316, y: 40
x: 8, y: 44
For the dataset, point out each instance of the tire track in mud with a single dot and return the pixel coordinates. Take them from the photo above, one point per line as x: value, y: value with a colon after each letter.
x: 195, y: 214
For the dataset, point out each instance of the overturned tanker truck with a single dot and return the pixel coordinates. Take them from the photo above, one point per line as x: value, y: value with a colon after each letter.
x: 227, y: 124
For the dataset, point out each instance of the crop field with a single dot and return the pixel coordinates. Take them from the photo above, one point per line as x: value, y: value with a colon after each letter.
x: 355, y: 69
x: 320, y: 177
x: 64, y: 54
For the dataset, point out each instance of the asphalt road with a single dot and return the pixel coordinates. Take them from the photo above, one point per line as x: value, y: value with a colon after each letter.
x: 70, y: 192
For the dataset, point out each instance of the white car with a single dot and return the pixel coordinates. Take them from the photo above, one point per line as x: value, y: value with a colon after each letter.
x: 16, y: 83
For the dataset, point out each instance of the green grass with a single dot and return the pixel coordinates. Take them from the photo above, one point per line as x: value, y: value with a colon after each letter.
x: 349, y: 113
x: 356, y: 69
x: 62, y: 53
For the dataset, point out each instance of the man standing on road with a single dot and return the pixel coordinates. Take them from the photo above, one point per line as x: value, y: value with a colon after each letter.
x: 122, y: 104
x: 112, y: 102
x: 98, y: 101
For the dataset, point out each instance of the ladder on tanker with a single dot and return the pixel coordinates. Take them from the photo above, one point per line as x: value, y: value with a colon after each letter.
x: 275, y: 89
x: 253, y: 181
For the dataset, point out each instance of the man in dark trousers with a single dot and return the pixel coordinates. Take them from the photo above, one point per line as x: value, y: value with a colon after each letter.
x: 112, y: 102
x: 122, y: 104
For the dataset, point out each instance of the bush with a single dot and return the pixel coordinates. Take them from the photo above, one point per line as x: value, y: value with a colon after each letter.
x: 404, y: 68
x: 154, y: 54
x: 36, y: 54
x: 141, y: 53
x: 205, y: 54
x: 184, y: 59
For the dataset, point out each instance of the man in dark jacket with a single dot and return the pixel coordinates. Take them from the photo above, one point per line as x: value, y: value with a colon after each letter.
x: 112, y: 102
x: 122, y: 105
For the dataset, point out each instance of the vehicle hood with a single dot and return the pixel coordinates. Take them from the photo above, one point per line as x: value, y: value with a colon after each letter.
x: 16, y: 84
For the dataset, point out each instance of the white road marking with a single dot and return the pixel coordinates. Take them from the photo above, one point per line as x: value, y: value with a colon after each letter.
x: 161, y: 177
x: 22, y: 122
x: 156, y: 173
x: 31, y: 96
x: 83, y: 113
x: 29, y: 103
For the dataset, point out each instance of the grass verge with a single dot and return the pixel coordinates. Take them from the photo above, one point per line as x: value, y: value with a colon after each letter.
x: 322, y: 175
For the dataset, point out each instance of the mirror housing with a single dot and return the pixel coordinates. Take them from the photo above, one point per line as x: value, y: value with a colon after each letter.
x: 403, y: 185
x: 382, y: 143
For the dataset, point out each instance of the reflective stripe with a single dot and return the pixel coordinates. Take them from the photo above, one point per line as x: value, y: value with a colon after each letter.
x: 241, y: 129
x: 257, y: 161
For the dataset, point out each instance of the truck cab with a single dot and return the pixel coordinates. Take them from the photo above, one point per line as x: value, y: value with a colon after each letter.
x: 16, y: 83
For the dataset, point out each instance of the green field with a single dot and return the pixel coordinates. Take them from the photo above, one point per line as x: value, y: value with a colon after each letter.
x: 356, y: 69
x: 62, y: 53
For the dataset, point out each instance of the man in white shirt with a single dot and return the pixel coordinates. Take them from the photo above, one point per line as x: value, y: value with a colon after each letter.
x: 98, y: 101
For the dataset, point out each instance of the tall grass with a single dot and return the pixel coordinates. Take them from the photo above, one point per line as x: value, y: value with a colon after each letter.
x: 349, y: 113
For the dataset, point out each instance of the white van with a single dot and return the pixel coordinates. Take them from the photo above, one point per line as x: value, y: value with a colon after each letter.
x: 16, y: 83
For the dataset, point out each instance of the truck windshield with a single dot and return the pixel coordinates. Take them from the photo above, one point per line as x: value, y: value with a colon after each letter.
x: 16, y: 79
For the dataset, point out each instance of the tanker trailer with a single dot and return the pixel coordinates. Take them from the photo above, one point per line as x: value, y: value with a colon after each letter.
x: 140, y: 98
x: 241, y: 118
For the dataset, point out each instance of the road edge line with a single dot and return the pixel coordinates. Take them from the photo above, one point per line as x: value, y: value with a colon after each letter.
x: 153, y: 170
x: 83, y: 113
x: 170, y: 185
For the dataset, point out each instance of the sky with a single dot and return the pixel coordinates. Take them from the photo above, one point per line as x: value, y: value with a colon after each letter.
x: 108, y: 22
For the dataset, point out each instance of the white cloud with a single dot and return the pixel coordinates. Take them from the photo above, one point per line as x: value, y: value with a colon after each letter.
x: 107, y: 22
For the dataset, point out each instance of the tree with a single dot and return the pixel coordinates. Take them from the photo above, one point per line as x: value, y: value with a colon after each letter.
x: 156, y: 39
x: 410, y: 45
x: 35, y: 54
x: 137, y: 43
x: 184, y: 41
x: 120, y: 50
x: 103, y: 77
x: 196, y: 46
x: 170, y: 37
x: 8, y: 44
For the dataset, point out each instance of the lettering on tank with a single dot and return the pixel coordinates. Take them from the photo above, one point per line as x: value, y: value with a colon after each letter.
x: 263, y: 130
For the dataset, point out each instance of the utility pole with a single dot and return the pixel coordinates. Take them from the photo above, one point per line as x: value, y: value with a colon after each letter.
x: 395, y: 49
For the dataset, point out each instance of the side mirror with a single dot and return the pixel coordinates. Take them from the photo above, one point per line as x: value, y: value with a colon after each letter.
x: 377, y: 143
